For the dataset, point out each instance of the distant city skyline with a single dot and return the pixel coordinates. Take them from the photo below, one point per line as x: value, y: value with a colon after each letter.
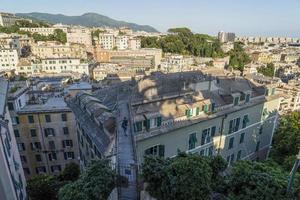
x: 248, y: 18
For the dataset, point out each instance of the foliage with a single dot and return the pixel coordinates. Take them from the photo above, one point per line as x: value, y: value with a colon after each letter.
x: 27, y: 23
x: 287, y: 140
x: 43, y: 187
x: 183, y: 41
x: 238, y: 57
x: 269, y: 70
x: 96, y: 183
x: 183, y: 177
x: 97, y: 32
x: 71, y: 172
x: 253, y: 180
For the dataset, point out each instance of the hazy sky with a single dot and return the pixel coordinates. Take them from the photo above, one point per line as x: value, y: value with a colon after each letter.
x: 244, y: 17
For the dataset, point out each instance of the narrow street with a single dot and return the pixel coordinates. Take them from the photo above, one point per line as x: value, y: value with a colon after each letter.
x: 126, y: 160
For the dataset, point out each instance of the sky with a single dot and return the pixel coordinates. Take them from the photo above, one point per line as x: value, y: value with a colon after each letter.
x: 244, y: 17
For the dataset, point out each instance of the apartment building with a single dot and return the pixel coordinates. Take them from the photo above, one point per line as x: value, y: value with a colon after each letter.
x: 231, y: 117
x: 226, y: 37
x: 12, y: 179
x: 142, y: 62
x: 57, y: 50
x: 272, y: 40
x: 80, y: 36
x: 105, y: 56
x: 9, y: 59
x: 106, y: 41
x: 134, y: 43
x: 46, y: 31
x: 96, y: 127
x: 44, y: 127
x: 7, y: 19
x: 122, y: 42
x: 60, y: 65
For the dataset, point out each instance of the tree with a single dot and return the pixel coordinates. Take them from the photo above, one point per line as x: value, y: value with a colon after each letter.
x: 71, y: 172
x: 60, y: 36
x: 43, y: 187
x: 180, y: 178
x: 269, y: 70
x: 238, y: 57
x: 96, y: 183
x: 287, y: 140
x: 253, y: 180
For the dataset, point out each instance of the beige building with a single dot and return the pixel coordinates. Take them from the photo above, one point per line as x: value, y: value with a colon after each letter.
x: 57, y: 50
x: 12, y: 179
x: 44, y: 129
x: 46, y: 31
x: 79, y: 36
x: 7, y: 19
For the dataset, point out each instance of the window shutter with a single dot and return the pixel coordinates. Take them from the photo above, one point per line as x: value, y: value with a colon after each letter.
x: 65, y: 155
x: 158, y: 121
x: 237, y: 124
x: 197, y: 111
x: 63, y: 144
x: 213, y: 131
x: 230, y: 126
x: 46, y: 132
x: 71, y: 143
x: 161, y: 150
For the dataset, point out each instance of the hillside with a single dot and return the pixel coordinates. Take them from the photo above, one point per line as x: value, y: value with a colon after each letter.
x: 87, y: 19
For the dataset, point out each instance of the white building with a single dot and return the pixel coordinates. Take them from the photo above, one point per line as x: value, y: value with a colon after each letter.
x: 122, y: 42
x: 7, y: 19
x: 12, y: 180
x: 106, y: 40
x: 42, y: 30
x: 8, y: 59
x: 134, y: 43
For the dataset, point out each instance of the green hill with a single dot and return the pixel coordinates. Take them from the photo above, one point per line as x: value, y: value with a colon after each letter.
x: 87, y: 19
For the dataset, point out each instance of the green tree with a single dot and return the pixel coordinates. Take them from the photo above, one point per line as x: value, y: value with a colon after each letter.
x: 253, y: 180
x: 60, y: 36
x: 269, y: 70
x: 238, y: 57
x: 287, y: 140
x: 180, y: 178
x: 43, y: 187
x: 96, y: 183
x: 71, y: 172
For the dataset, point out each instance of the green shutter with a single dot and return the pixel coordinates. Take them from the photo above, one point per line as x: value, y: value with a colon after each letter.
x: 147, y: 124
x: 247, y: 97
x: 213, y: 106
x: 158, y: 121
x: 161, y: 150
x: 206, y: 108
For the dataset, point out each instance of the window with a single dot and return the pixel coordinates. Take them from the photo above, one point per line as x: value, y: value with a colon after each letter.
x: 260, y: 130
x: 242, y: 98
x: 21, y: 146
x: 48, y: 118
x: 36, y: 146
x: 232, y: 158
x: 158, y: 150
x: 207, y: 135
x: 245, y: 121
x: 247, y: 98
x: 33, y: 132
x: 192, y: 141
x: 69, y: 155
x: 231, y: 140
x: 213, y: 107
x: 242, y: 138
x: 10, y: 106
x: 15, y: 120
x: 66, y: 130
x: 49, y: 132
x: 273, y: 91
x: 51, y: 145
x: 30, y: 119
x: 234, y: 125
x: 197, y: 111
x: 64, y: 117
x: 52, y: 156
x: 257, y: 146
x: 27, y: 171
x: 40, y: 170
x: 206, y: 108
x: 236, y: 101
x: 23, y: 159
x: 238, y: 157
x: 56, y: 168
x: 67, y: 143
x: 17, y: 133
x: 38, y: 158
x: 158, y: 121
x: 189, y: 113
x: 138, y: 126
